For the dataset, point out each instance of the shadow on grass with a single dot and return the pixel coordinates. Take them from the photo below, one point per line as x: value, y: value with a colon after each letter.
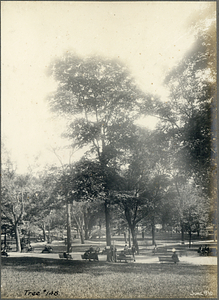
x: 48, y: 265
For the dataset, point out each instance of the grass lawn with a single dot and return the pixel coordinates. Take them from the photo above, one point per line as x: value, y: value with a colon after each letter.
x: 81, y: 279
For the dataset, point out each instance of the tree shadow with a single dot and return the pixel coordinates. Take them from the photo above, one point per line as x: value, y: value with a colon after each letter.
x: 49, y: 265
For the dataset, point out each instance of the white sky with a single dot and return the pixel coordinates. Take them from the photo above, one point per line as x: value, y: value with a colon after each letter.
x: 150, y: 37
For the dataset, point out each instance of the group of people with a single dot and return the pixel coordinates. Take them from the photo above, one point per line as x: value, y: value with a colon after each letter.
x: 26, y: 245
x: 203, y: 250
x: 126, y: 251
x: 47, y: 249
x: 91, y: 253
x: 111, y: 252
x: 4, y: 249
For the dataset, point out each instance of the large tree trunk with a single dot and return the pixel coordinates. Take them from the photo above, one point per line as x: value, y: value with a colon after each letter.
x: 129, y: 238
x: 181, y: 208
x: 107, y: 216
x: 153, y: 231
x: 5, y: 238
x: 17, y: 237
x: 182, y: 231
x: 190, y: 238
x: 86, y: 235
x: 81, y: 229
x: 44, y: 231
x: 125, y: 237
x: 81, y: 235
x: 142, y: 233
x: 100, y: 229
x: 214, y: 231
x: 68, y: 227
x: 108, y: 235
x: 134, y: 239
x: 49, y: 234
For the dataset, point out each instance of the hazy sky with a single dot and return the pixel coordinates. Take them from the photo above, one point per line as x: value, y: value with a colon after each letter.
x: 150, y: 37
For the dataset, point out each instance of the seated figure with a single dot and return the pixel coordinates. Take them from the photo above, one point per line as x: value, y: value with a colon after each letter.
x: 175, y: 257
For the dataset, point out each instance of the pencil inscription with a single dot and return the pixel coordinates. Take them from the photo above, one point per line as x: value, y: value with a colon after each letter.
x: 44, y: 293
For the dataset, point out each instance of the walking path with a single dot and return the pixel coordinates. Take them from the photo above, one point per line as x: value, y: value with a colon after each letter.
x: 193, y: 260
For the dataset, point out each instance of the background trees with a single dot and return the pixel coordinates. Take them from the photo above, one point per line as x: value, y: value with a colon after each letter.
x: 187, y: 118
x: 15, y: 196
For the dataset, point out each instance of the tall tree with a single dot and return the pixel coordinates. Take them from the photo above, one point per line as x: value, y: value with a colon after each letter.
x: 100, y: 97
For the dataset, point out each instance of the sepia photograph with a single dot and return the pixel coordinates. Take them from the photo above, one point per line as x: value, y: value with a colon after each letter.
x: 108, y: 149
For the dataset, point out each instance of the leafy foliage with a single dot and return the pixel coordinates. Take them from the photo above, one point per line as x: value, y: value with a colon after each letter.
x: 102, y: 97
x: 188, y: 116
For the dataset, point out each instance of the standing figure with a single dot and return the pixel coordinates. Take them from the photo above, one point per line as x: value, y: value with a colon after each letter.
x: 133, y: 251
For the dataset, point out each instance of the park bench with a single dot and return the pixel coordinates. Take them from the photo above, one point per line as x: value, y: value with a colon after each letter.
x: 103, y: 252
x: 213, y: 251
x: 159, y: 250
x: 89, y: 256
x: 125, y: 257
x: 27, y: 249
x: 4, y: 253
x: 168, y: 259
x: 47, y: 249
x: 128, y: 251
x: 65, y: 255
x: 6, y: 248
x: 209, y: 251
x: 181, y: 252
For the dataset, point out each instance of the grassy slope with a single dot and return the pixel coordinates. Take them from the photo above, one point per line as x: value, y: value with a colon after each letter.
x: 80, y: 279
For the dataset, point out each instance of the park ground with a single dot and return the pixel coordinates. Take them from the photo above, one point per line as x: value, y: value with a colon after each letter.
x: 37, y: 275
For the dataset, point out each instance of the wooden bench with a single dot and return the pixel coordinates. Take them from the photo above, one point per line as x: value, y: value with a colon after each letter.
x: 181, y: 252
x: 212, y: 251
x: 27, y: 249
x: 159, y: 250
x: 90, y: 256
x: 4, y: 253
x: 168, y: 259
x: 124, y: 257
x: 65, y: 255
